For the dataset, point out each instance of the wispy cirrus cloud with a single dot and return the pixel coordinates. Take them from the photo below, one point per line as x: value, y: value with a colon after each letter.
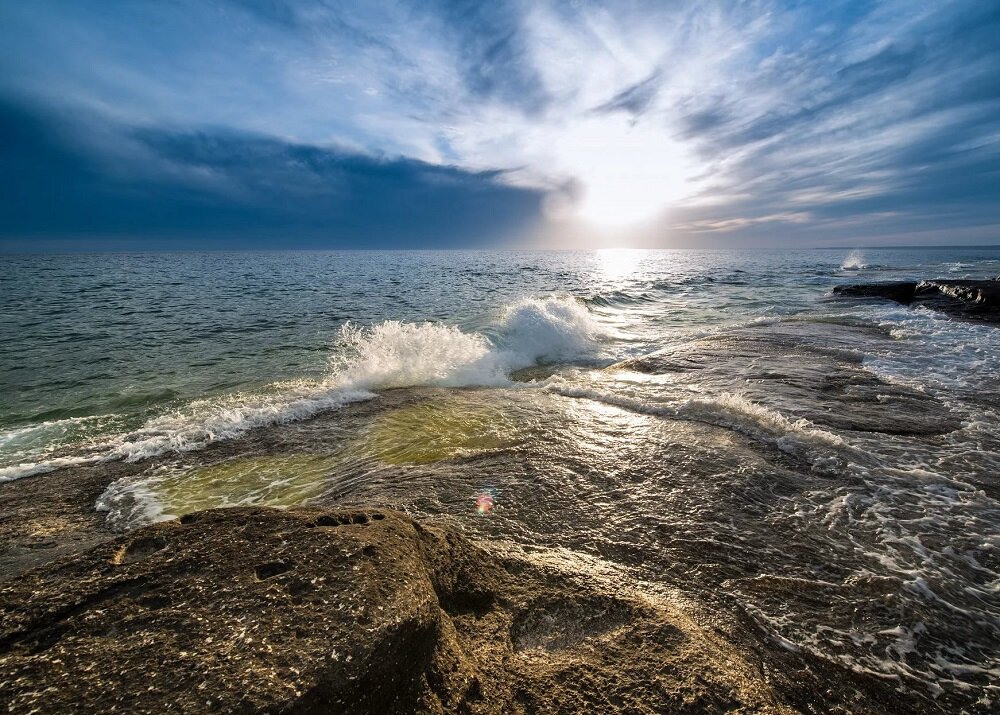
x: 748, y: 121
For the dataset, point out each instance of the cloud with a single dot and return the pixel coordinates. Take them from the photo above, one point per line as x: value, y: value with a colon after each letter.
x: 226, y: 186
x: 733, y: 224
x: 635, y: 99
x: 852, y: 116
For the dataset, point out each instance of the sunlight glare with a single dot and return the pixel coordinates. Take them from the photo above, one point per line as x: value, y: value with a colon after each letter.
x: 617, y: 263
x: 630, y: 172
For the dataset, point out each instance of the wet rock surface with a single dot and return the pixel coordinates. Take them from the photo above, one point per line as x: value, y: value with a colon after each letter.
x: 41, y: 521
x: 261, y: 610
x: 975, y: 299
x: 806, y: 370
x: 637, y: 560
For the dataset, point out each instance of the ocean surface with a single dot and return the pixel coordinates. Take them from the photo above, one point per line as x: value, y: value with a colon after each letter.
x: 713, y: 421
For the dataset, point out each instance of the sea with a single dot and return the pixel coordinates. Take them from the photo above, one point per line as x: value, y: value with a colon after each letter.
x: 712, y: 421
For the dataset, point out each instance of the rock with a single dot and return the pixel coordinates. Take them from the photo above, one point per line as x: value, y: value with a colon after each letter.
x: 899, y: 291
x: 803, y: 370
x: 359, y: 611
x: 980, y: 293
x: 977, y: 299
x: 39, y: 523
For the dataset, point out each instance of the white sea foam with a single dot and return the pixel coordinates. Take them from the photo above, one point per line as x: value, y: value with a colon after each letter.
x: 200, y: 423
x: 387, y: 355
x: 891, y: 524
x: 30, y: 469
x: 551, y: 329
x: 45, y: 433
x: 39, y: 442
x: 394, y: 354
x: 939, y: 353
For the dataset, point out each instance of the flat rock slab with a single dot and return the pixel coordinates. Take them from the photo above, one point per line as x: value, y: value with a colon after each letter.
x: 807, y: 370
x: 347, y: 611
x: 50, y: 516
x: 976, y: 299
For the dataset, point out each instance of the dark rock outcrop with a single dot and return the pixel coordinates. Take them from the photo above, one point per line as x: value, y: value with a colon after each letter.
x: 349, y: 611
x: 977, y: 299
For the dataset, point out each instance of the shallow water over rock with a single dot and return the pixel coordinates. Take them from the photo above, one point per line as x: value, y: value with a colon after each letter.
x: 817, y: 476
x: 763, y: 471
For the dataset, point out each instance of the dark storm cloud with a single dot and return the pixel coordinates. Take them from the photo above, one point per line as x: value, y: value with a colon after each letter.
x: 250, y: 188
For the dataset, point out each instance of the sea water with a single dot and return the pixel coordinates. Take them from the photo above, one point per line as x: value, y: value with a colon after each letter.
x: 830, y: 470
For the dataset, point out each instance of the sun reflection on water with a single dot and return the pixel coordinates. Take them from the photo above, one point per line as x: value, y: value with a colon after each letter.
x: 618, y: 263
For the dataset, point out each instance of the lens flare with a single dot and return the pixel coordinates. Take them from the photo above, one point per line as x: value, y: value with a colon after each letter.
x: 484, y: 502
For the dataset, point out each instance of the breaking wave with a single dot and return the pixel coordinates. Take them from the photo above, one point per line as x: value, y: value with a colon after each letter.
x: 386, y: 355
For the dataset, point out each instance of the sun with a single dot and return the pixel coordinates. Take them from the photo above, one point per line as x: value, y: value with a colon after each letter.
x: 628, y: 173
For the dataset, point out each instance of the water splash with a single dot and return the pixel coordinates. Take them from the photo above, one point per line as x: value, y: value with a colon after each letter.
x: 387, y: 355
x: 855, y: 261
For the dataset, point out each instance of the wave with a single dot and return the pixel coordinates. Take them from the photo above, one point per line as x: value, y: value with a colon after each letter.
x: 528, y: 332
x: 387, y: 355
x: 198, y: 424
x: 959, y: 267
x: 620, y: 298
x: 46, y: 429
x: 554, y: 329
x: 941, y: 355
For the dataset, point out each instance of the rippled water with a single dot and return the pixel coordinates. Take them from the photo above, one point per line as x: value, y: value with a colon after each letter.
x: 711, y: 420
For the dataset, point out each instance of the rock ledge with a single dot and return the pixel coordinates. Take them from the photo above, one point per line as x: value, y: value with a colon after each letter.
x: 360, y: 611
x: 977, y: 299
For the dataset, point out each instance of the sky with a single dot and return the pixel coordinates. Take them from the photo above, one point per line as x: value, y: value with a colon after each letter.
x: 425, y: 124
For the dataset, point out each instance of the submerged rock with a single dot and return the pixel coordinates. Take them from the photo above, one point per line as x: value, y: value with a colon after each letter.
x: 803, y: 369
x: 361, y: 611
x: 978, y: 299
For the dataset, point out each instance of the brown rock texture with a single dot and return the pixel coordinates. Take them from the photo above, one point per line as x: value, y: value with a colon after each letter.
x: 349, y: 611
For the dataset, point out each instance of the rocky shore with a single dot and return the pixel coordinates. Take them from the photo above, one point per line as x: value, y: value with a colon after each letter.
x: 261, y: 610
x: 367, y: 611
x: 976, y: 299
x: 363, y: 609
